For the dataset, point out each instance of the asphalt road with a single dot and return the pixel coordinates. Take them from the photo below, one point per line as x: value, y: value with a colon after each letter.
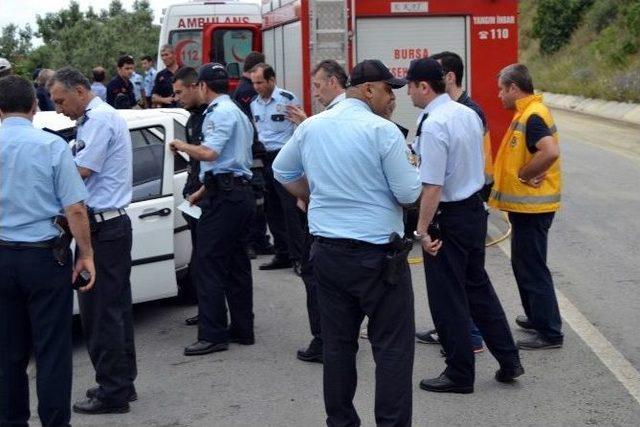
x: 594, y: 257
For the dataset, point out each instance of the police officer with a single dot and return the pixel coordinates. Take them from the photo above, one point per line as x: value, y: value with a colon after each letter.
x: 453, y: 69
x: 269, y: 110
x: 449, y: 143
x: 162, y: 95
x: 257, y: 240
x: 103, y: 157
x: 149, y: 78
x: 224, y: 269
x: 328, y: 80
x: 528, y: 185
x: 38, y: 180
x: 120, y: 90
x: 357, y: 181
x: 187, y: 92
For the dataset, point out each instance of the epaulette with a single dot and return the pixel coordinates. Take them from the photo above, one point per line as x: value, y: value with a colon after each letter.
x: 254, y: 98
x: 287, y: 95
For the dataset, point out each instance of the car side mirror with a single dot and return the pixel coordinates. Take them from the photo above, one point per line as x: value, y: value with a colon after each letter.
x: 233, y: 69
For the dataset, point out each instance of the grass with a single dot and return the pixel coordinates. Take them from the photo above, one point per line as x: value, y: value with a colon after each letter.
x: 602, y: 59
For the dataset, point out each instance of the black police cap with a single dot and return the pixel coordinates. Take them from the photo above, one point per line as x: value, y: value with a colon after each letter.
x: 425, y: 69
x: 373, y: 70
x: 212, y: 71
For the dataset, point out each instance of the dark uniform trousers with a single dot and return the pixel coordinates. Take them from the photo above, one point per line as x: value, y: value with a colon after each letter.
x: 36, y: 306
x: 192, y: 223
x: 529, y: 262
x: 283, y: 215
x: 224, y: 269
x: 350, y: 286
x: 258, y: 238
x: 106, y: 311
x: 311, y: 287
x: 458, y: 288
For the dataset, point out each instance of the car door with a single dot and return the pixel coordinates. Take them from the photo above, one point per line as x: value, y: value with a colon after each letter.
x: 152, y: 209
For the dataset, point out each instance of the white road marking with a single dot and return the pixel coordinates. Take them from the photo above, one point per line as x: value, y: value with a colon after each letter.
x: 619, y: 366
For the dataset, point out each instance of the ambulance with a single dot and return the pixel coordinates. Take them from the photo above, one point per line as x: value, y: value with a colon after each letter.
x: 212, y: 31
x: 297, y: 34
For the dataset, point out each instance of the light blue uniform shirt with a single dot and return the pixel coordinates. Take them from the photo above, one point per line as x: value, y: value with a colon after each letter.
x: 227, y: 131
x: 270, y: 117
x: 450, y: 148
x: 358, y: 171
x: 37, y: 180
x: 136, y: 80
x: 148, y: 82
x: 103, y: 144
x: 99, y: 90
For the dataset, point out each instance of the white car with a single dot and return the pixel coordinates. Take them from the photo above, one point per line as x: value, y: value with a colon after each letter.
x: 161, y: 240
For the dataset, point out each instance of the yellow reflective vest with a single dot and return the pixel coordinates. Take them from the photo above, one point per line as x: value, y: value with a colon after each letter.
x: 488, y: 159
x: 508, y: 193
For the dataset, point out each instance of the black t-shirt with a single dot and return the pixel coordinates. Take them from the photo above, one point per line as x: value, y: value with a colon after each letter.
x: 120, y: 94
x: 466, y: 100
x: 536, y: 130
x: 194, y: 137
x: 244, y: 94
x: 163, y: 86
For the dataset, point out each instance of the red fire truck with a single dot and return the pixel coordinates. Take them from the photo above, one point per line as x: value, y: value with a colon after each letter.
x: 297, y: 34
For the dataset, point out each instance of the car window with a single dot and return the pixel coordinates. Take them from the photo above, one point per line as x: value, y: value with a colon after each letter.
x: 180, y: 132
x: 148, y: 162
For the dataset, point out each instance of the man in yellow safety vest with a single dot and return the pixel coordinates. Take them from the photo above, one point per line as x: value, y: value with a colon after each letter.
x: 527, y: 185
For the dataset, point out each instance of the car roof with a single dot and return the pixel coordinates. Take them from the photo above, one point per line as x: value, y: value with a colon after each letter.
x: 57, y: 122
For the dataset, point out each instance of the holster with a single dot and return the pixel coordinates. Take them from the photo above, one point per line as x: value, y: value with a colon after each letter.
x: 61, y: 244
x: 396, y: 259
x: 218, y: 183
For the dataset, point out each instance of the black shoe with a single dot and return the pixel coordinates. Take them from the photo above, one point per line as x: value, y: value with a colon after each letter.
x: 310, y: 355
x: 507, y: 375
x: 93, y: 406
x: 201, y: 347
x: 192, y: 320
x: 242, y: 340
x: 428, y: 337
x: 93, y: 392
x: 443, y: 384
x: 523, y: 322
x: 266, y: 250
x: 251, y: 253
x: 536, y: 342
x: 297, y: 268
x: 277, y: 264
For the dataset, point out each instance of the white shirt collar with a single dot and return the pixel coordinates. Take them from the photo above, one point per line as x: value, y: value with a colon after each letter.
x: 438, y: 101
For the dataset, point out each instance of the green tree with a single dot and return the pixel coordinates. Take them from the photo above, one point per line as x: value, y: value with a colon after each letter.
x: 555, y: 21
x: 15, y: 42
x: 87, y: 39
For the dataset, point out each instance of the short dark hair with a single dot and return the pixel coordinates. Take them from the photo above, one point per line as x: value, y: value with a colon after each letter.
x: 252, y: 59
x: 69, y: 77
x: 267, y: 70
x: 17, y: 95
x: 517, y: 74
x: 220, y: 86
x: 188, y: 75
x: 125, y: 59
x: 451, y: 62
x: 332, y: 69
x: 438, y: 86
x: 147, y: 58
x: 98, y: 74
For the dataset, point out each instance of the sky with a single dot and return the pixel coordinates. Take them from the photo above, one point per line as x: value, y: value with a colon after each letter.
x: 22, y: 12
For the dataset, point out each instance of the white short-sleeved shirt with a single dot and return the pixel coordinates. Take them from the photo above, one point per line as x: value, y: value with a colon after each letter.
x: 450, y: 147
